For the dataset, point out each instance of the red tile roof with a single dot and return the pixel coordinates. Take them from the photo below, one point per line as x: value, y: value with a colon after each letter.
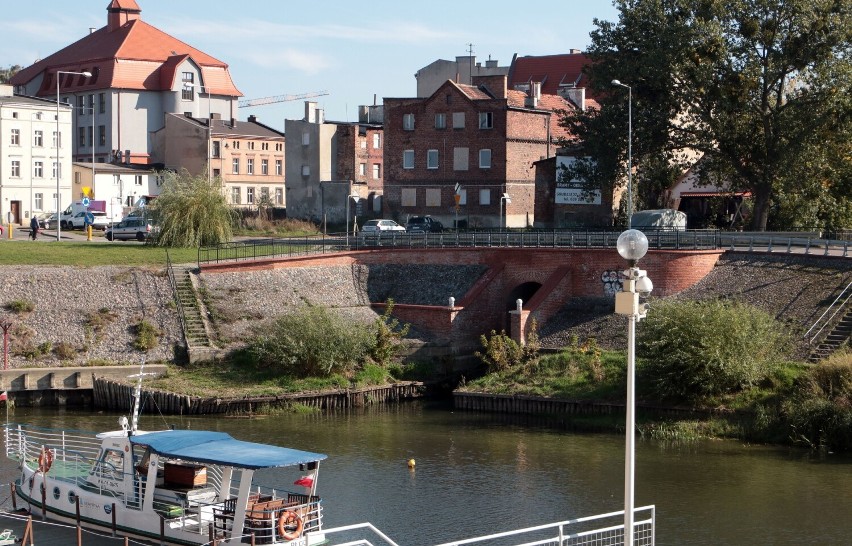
x: 124, y: 4
x: 130, y: 57
x: 551, y: 70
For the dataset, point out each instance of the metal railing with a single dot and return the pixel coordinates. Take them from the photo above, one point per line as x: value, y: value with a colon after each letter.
x: 828, y: 315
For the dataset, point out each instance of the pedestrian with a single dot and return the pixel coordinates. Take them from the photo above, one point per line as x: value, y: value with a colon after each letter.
x: 34, y: 227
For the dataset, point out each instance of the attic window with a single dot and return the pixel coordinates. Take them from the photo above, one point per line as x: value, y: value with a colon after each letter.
x: 449, y: 98
x: 96, y: 71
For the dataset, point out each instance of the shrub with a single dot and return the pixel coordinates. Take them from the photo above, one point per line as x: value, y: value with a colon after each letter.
x: 64, y: 350
x: 20, y: 306
x: 313, y: 341
x: 147, y: 336
x: 502, y: 353
x: 388, y: 336
x: 694, y: 350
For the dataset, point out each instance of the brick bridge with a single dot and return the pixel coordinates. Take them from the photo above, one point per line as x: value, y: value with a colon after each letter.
x: 543, y: 278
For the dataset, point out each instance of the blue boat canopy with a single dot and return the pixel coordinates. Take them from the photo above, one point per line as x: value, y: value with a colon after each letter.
x: 222, y: 449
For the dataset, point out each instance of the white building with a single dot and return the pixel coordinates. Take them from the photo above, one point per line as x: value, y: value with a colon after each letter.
x: 120, y: 186
x: 35, y: 156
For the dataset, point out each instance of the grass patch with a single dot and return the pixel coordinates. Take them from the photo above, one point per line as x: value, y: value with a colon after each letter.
x: 20, y: 306
x: 147, y: 336
x: 92, y: 254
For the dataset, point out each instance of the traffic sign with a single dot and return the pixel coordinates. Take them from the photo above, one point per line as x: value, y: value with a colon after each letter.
x: 90, y: 218
x: 86, y: 201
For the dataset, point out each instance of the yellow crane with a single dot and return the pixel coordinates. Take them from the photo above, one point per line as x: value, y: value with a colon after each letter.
x: 279, y: 98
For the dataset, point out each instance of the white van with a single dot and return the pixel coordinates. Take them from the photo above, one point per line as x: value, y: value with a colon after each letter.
x: 113, y: 213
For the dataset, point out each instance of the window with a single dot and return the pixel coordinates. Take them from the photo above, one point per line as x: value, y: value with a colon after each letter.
x: 91, y: 105
x: 458, y: 120
x: 39, y: 201
x: 249, y: 166
x: 306, y: 170
x: 38, y: 139
x: 235, y: 195
x: 90, y: 135
x: 440, y: 121
x: 264, y: 166
x: 138, y: 180
x: 408, y: 159
x: 250, y: 196
x: 377, y: 141
x: 408, y: 122
x: 486, y: 120
x: 251, y: 145
x: 57, y: 139
x: 279, y: 196
x: 462, y: 196
x: 460, y: 158
x: 57, y: 170
x: 81, y: 105
x: 485, y: 197
x: 484, y: 159
x: 188, y: 91
x: 362, y: 169
x: 377, y: 171
x: 408, y: 197
x: 235, y: 166
x: 101, y: 135
x: 264, y: 146
x: 78, y: 177
x: 264, y: 195
x: 433, y: 197
x: 81, y: 137
x: 306, y: 138
x: 102, y: 103
x: 278, y: 167
x: 217, y: 148
x: 432, y: 159
x: 38, y: 169
x: 16, y: 169
x: 216, y: 174
x: 236, y: 144
x: 16, y: 137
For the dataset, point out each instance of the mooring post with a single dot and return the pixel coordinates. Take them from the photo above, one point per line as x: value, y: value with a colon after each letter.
x: 14, y: 501
x: 113, y: 520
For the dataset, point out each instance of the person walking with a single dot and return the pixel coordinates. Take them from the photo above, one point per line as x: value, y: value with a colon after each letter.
x: 34, y: 228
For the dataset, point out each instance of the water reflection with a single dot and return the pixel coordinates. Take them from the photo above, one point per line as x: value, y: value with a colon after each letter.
x: 479, y: 473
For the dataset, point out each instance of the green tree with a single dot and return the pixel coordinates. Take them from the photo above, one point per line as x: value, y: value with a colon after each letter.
x: 759, y: 88
x: 192, y: 211
x: 7, y: 73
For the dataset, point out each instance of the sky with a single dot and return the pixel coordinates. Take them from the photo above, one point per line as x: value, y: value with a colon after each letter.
x: 354, y: 51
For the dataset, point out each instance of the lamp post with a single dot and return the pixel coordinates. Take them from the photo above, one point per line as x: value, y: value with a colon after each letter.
x: 355, y: 197
x: 629, y: 150
x: 632, y: 246
x: 209, y: 123
x: 58, y: 142
x: 508, y: 199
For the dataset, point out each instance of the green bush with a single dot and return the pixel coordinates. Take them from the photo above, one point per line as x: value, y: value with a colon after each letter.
x: 313, y: 341
x: 147, y: 336
x: 501, y: 353
x: 388, y: 337
x: 20, y: 306
x: 694, y: 350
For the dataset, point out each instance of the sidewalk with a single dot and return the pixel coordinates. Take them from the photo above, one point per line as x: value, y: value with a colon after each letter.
x: 21, y: 233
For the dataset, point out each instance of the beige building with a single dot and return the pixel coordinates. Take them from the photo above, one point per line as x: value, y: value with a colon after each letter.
x: 247, y: 156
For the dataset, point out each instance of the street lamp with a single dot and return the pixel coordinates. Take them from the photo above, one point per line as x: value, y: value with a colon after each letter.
x: 632, y: 246
x: 209, y: 123
x: 629, y: 150
x: 356, y: 198
x: 508, y: 199
x: 58, y: 142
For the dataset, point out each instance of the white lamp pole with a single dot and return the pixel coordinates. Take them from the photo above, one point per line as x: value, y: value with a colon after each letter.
x: 632, y: 246
x: 507, y: 199
x: 58, y: 142
x: 355, y: 197
x: 629, y: 151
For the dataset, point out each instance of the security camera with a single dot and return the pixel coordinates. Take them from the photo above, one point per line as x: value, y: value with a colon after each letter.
x: 644, y: 286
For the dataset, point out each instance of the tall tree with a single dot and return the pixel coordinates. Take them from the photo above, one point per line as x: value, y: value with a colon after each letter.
x: 7, y: 73
x: 759, y: 88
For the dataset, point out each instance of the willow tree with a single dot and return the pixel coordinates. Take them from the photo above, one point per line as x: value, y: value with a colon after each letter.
x: 192, y: 211
x: 762, y: 89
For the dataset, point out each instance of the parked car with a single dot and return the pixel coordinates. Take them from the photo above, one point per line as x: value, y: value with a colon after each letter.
x: 376, y: 227
x: 78, y: 221
x: 423, y: 224
x: 132, y: 227
x: 46, y: 219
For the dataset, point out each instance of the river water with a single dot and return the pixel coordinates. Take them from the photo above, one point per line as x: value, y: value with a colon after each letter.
x: 479, y: 473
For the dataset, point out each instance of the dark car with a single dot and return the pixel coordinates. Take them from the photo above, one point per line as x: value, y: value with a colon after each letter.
x: 423, y: 224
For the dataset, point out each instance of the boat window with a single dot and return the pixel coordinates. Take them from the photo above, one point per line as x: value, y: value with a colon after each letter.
x: 112, y: 464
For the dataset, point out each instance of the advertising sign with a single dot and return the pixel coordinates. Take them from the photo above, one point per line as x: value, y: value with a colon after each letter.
x: 572, y: 192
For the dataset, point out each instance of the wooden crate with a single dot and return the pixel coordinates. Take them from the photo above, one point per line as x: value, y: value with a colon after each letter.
x: 185, y: 475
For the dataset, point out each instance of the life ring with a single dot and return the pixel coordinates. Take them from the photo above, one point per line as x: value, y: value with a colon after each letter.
x: 290, y: 525
x: 45, y: 460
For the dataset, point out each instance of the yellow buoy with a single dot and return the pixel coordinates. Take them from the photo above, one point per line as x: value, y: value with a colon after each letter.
x: 410, y: 463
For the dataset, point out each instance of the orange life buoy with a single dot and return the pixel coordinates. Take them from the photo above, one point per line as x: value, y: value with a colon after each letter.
x: 290, y: 525
x: 45, y: 460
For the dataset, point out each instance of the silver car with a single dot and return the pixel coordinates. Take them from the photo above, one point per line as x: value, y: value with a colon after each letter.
x: 130, y: 228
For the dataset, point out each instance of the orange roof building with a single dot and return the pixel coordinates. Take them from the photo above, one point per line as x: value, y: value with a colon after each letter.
x: 138, y: 75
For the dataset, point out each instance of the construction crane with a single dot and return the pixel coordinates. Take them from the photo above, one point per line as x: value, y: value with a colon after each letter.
x: 279, y: 98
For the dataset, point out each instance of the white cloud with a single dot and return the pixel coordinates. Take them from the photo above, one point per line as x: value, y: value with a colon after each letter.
x: 309, y: 63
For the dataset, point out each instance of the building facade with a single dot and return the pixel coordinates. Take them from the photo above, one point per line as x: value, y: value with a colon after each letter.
x: 122, y: 187
x: 329, y: 162
x: 138, y: 74
x: 35, y: 156
x: 247, y: 156
x: 464, y: 155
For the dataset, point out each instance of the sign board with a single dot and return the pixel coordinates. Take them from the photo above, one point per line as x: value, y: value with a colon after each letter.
x: 572, y: 192
x: 86, y: 201
x: 90, y: 218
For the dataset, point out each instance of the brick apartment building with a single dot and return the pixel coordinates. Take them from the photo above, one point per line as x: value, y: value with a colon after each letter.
x: 482, y: 139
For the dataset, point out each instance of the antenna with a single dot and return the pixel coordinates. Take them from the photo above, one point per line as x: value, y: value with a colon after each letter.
x: 470, y: 59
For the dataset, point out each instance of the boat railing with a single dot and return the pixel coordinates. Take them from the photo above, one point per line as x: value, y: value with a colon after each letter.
x: 266, y: 515
x: 25, y: 442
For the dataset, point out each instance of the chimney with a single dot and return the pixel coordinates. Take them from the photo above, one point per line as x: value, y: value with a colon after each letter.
x: 310, y: 111
x: 491, y: 63
x: 92, y: 30
x: 127, y: 157
x: 320, y: 115
x: 534, y: 95
x: 252, y: 119
x: 233, y: 123
x: 577, y: 95
x: 120, y: 12
x: 364, y: 114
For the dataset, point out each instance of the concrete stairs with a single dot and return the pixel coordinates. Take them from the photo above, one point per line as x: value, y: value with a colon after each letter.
x: 193, y: 314
x: 837, y: 338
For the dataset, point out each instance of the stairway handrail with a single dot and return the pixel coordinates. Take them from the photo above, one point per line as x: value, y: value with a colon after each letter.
x: 834, y: 314
x: 173, y: 282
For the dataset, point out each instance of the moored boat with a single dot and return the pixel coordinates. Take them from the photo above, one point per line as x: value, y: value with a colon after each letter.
x: 185, y: 487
